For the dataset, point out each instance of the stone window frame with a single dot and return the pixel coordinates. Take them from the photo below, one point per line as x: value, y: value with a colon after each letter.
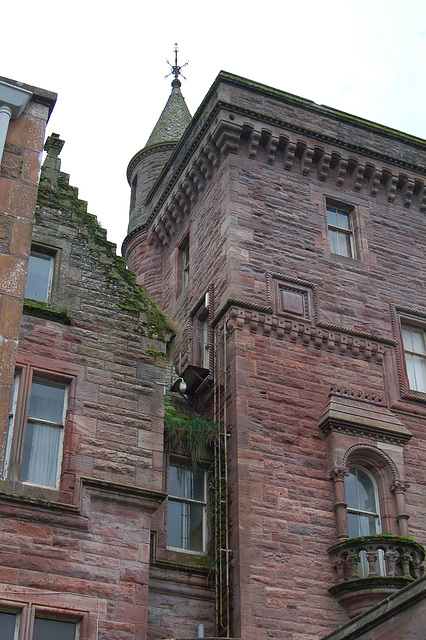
x: 390, y: 488
x: 15, y: 436
x: 169, y: 557
x: 202, y: 335
x: 183, y: 264
x: 28, y: 607
x: 352, y: 232
x: 402, y: 315
x: 54, y: 253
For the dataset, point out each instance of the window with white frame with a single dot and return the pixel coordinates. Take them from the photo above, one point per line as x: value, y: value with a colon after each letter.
x: 186, y: 511
x: 40, y: 628
x: 414, y: 343
x: 39, y: 277
x: 363, y: 503
x: 340, y: 231
x: 363, y: 513
x: 37, y: 420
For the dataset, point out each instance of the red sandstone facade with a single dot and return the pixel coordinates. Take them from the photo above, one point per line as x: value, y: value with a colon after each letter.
x: 286, y: 243
x: 306, y: 371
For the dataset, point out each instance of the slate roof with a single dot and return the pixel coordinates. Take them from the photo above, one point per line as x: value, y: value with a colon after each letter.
x: 174, y: 119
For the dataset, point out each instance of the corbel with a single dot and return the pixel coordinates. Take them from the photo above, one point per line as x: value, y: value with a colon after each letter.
x: 359, y: 177
x: 342, y: 165
x: 272, y: 148
x: 407, y: 191
x: 290, y: 150
x: 324, y: 165
x: 306, y: 160
x: 254, y: 143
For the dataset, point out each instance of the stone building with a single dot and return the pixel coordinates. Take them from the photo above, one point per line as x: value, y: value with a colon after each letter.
x: 82, y: 469
x: 285, y: 243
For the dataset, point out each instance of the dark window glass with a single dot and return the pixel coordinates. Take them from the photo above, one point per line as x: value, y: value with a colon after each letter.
x: 45, y: 629
x: 39, y: 277
x: 8, y: 624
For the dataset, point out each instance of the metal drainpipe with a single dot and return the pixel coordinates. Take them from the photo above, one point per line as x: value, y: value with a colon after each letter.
x: 13, y: 101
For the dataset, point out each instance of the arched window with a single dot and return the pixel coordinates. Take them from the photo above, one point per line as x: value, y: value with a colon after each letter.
x: 363, y: 503
x: 363, y: 513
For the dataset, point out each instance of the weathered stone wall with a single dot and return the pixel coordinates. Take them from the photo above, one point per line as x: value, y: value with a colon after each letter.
x: 252, y: 195
x: 90, y: 536
x: 178, y: 602
x: 20, y: 167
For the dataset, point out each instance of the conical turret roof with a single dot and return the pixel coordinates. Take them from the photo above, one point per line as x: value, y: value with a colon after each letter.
x: 173, y: 120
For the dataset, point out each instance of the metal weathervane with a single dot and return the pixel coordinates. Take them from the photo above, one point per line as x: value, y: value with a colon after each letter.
x: 176, y: 69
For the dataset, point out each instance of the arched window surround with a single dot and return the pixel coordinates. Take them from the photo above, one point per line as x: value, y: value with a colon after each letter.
x: 390, y: 488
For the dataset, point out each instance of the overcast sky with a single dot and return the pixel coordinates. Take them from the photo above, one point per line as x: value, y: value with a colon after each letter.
x: 107, y: 62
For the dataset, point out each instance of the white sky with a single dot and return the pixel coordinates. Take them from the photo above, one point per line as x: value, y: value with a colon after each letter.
x: 107, y: 62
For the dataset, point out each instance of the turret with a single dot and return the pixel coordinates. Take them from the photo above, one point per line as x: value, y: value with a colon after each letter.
x: 145, y: 167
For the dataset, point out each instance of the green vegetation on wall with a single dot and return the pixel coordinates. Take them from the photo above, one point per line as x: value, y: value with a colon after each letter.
x: 188, y: 430
x: 131, y: 296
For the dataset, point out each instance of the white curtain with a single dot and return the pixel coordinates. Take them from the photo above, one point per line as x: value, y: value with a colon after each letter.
x: 43, y: 459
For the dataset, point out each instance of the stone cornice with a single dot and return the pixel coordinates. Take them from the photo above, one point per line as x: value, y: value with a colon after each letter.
x: 309, y: 105
x: 366, y: 431
x: 331, y: 158
x: 332, y: 140
x: 342, y: 340
x: 151, y: 500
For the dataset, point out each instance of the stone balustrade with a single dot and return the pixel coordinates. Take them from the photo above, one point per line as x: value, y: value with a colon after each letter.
x: 378, y: 555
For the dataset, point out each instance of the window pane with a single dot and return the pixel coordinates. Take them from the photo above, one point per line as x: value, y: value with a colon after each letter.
x: 416, y: 371
x: 197, y: 486
x: 333, y: 238
x: 47, y: 401
x: 343, y: 220
x: 351, y: 490
x: 177, y: 477
x: 54, y: 630
x: 7, y: 625
x: 353, y: 525
x: 38, y: 278
x: 332, y: 216
x: 40, y: 456
x: 10, y: 424
x: 367, y: 525
x: 195, y: 528
x: 419, y: 341
x: 175, y: 521
x: 406, y: 338
x: 367, y: 501
x: 343, y: 245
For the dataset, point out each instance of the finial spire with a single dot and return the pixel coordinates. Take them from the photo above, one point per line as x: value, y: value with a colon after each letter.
x: 176, y: 70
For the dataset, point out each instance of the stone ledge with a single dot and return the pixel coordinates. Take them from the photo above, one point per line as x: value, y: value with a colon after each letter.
x: 384, y: 611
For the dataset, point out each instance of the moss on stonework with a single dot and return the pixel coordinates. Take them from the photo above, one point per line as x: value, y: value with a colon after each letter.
x: 131, y: 297
x: 184, y: 428
x: 47, y: 311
